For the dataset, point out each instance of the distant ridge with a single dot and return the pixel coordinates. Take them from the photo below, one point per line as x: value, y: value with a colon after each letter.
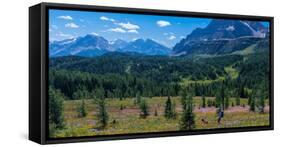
x: 222, y: 37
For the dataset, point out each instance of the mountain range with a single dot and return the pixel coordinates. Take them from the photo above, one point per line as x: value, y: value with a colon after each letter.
x: 89, y: 45
x: 147, y: 47
x: 218, y: 37
x: 94, y: 45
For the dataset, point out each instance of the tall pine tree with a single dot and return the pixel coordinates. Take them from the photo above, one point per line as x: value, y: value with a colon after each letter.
x: 187, y: 121
x: 261, y: 100
x: 56, y: 99
x: 226, y: 103
x: 252, y: 100
x: 237, y: 101
x: 102, y: 114
x: 170, y: 111
x: 99, y: 100
x: 81, y: 110
x: 144, y: 108
x: 203, y: 101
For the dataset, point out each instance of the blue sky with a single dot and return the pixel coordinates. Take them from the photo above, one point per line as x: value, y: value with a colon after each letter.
x: 167, y: 30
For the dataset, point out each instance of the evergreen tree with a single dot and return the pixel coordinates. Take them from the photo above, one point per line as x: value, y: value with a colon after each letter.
x: 217, y: 100
x: 226, y: 103
x: 209, y: 103
x: 121, y: 107
x: 237, y: 97
x: 253, y: 101
x: 203, y: 101
x: 250, y: 99
x: 261, y: 101
x: 168, y: 108
x: 138, y: 98
x: 222, y: 97
x: 144, y: 108
x: 56, y: 99
x: 237, y: 101
x: 81, y: 110
x: 242, y: 91
x: 81, y: 93
x: 187, y: 121
x: 174, y: 112
x: 155, y: 112
x: 77, y: 94
x: 99, y: 93
x: 99, y: 99
x: 261, y: 104
x: 135, y: 101
x: 102, y: 114
x: 183, y: 98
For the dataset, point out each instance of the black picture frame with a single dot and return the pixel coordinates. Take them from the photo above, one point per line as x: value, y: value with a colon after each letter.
x: 38, y: 71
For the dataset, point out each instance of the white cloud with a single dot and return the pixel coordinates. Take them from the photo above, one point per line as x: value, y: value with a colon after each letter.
x: 172, y: 37
x: 133, y: 31
x: 122, y: 27
x: 71, y: 25
x: 118, y: 30
x: 162, y: 23
x: 106, y: 18
x: 66, y: 17
x: 94, y: 33
x: 128, y: 26
x: 230, y: 28
x: 182, y: 37
x: 168, y: 33
x: 60, y: 34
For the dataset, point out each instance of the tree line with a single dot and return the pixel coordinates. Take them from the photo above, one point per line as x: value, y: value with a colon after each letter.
x: 73, y: 83
x: 123, y: 76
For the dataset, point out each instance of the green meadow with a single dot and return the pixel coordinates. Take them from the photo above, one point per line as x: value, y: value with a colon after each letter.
x: 124, y: 117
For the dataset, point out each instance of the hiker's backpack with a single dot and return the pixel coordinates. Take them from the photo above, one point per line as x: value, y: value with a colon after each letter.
x: 221, y: 114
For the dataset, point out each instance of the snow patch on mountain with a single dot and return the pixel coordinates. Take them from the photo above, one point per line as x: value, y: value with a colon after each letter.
x: 255, y: 33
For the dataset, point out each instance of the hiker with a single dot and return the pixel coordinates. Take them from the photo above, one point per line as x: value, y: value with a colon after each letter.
x: 220, y: 115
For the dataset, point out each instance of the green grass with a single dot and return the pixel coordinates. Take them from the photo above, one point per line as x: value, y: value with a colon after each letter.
x: 246, y: 51
x: 232, y: 72
x: 128, y: 120
x: 187, y: 81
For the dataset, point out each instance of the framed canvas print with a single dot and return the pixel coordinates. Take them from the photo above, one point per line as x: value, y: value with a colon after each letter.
x: 102, y: 73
